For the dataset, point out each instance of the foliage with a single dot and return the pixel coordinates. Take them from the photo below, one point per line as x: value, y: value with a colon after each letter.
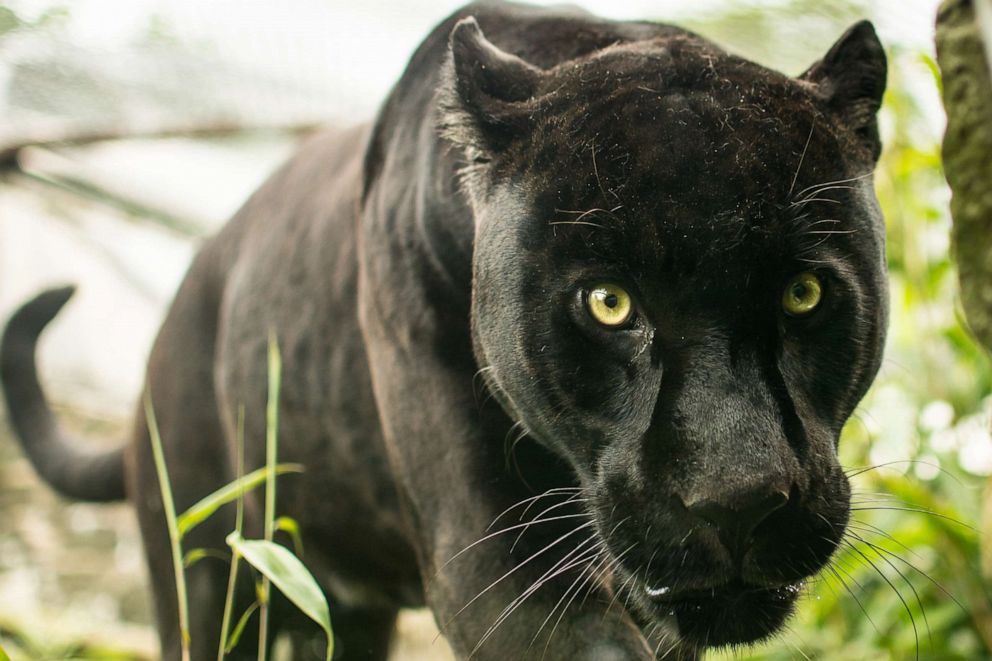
x: 11, y: 21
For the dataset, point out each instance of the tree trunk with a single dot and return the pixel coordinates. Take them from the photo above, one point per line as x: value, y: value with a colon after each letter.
x: 964, y: 53
x: 968, y: 154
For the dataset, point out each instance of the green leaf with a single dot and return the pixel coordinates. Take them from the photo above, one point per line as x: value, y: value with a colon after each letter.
x: 193, y: 556
x: 228, y: 493
x: 9, y: 22
x: 239, y: 628
x: 287, y: 573
x: 3, y: 654
x: 288, y: 525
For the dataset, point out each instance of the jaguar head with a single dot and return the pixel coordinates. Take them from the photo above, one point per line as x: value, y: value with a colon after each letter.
x: 680, y: 287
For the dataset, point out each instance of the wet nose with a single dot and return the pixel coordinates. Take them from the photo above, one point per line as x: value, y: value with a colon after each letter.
x: 736, y: 517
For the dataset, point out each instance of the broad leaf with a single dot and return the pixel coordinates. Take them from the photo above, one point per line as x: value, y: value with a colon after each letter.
x: 287, y: 573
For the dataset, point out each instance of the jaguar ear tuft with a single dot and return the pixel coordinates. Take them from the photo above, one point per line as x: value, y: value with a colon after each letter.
x: 851, y: 78
x: 485, y: 91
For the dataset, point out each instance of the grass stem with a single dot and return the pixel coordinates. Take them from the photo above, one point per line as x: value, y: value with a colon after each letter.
x: 271, y: 452
x: 169, y: 506
x: 238, y: 524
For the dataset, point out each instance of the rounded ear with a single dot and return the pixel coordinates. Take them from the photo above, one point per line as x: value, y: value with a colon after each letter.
x: 484, y: 90
x: 851, y: 78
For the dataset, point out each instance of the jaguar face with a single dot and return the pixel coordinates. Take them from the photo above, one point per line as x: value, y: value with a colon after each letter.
x: 679, y: 286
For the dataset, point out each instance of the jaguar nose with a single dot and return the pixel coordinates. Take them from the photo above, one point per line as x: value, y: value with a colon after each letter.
x: 735, y: 517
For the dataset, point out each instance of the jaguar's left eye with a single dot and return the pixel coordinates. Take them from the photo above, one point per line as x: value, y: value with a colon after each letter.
x: 802, y: 295
x: 609, y: 305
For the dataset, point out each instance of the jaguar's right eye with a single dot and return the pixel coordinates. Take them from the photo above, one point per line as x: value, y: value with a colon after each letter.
x: 609, y: 305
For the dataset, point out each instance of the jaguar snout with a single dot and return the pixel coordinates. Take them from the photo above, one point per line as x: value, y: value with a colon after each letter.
x: 734, y: 516
x: 721, y: 578
x: 726, y: 557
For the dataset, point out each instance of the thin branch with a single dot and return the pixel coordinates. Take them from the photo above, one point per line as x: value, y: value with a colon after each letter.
x: 11, y: 146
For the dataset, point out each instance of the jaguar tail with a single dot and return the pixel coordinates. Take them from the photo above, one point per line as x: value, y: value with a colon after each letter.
x: 69, y: 467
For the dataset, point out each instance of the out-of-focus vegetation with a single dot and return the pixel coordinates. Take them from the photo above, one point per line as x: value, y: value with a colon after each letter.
x: 909, y: 583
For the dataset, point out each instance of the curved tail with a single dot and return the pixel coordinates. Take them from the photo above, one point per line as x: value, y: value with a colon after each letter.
x: 66, y: 465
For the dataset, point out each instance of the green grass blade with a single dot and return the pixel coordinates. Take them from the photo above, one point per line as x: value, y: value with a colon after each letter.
x: 169, y: 506
x: 272, y: 434
x: 289, y: 526
x: 290, y: 576
x: 271, y: 452
x: 239, y: 628
x: 228, y: 493
x: 239, y: 516
x: 193, y: 556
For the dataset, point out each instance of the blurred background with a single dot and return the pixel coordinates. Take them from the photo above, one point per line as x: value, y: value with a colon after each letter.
x: 133, y: 129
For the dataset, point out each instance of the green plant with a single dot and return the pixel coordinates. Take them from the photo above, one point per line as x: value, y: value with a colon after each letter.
x: 277, y: 565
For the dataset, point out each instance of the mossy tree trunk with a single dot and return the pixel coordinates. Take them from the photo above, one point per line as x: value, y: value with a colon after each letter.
x: 964, y: 53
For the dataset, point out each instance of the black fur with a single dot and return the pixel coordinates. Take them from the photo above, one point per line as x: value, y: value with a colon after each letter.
x: 426, y: 279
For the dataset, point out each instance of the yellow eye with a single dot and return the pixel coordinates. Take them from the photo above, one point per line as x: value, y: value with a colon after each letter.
x: 802, y: 295
x: 609, y: 305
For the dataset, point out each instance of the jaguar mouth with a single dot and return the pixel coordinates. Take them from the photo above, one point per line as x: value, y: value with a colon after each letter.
x: 732, y: 614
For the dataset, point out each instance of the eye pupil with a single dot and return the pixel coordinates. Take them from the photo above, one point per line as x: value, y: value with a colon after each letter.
x: 799, y: 291
x: 611, y: 300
